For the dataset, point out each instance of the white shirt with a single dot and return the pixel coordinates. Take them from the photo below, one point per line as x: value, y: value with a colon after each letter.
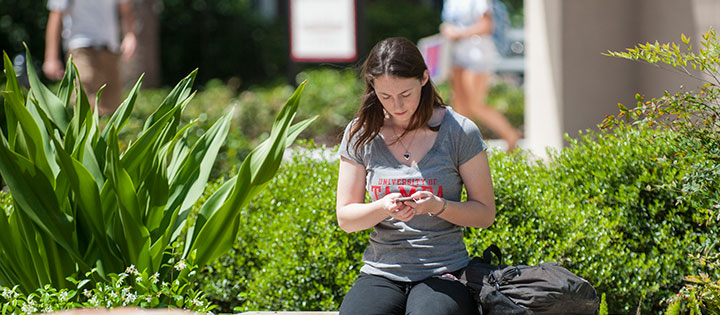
x: 464, y: 13
x: 88, y: 23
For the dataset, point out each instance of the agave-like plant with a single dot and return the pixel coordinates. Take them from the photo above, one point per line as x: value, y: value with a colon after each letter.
x: 81, y: 204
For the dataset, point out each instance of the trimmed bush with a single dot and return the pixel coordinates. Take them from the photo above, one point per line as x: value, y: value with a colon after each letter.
x: 612, y: 208
x: 609, y: 207
x: 290, y: 254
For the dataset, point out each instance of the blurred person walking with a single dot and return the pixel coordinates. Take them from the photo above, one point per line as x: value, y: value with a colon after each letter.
x: 90, y: 32
x: 469, y: 25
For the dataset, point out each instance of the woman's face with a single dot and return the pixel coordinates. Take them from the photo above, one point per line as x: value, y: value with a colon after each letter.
x: 399, y: 96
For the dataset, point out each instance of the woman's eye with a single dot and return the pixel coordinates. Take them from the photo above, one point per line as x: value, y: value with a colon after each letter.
x: 385, y: 97
x: 405, y: 95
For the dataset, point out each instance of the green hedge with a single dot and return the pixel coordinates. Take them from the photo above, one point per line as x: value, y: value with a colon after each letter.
x: 291, y: 254
x: 606, y: 207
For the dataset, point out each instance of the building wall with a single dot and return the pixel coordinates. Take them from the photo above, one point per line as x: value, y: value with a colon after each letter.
x: 571, y: 86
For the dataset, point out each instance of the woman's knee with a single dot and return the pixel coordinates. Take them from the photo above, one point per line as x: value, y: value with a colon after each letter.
x: 441, y: 296
x: 374, y: 295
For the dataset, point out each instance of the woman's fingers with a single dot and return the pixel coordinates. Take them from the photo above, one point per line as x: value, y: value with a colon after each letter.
x: 420, y: 202
x: 404, y: 214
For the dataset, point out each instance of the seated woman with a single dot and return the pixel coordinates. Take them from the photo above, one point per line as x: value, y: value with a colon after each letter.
x: 404, y: 142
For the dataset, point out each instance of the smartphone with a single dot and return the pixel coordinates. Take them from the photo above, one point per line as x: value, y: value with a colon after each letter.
x: 403, y: 199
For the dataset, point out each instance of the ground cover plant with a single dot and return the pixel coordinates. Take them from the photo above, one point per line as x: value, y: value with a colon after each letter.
x: 118, y: 290
x: 81, y: 204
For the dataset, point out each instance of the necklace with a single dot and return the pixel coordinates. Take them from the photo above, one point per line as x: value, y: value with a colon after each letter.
x: 407, y: 152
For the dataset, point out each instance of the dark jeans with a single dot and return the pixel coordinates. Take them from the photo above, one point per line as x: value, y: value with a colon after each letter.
x: 433, y: 296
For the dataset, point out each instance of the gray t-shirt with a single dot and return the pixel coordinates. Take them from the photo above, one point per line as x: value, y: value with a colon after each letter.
x: 88, y: 23
x: 424, y: 246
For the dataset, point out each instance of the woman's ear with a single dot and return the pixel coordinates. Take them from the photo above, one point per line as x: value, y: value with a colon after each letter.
x: 426, y: 77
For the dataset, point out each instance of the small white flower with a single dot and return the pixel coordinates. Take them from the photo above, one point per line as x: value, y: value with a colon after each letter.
x: 131, y: 297
x: 87, y: 293
x: 198, y: 303
x: 28, y: 308
x: 125, y: 291
x: 63, y: 296
x: 131, y: 270
x: 148, y: 298
x: 113, y: 294
x: 7, y: 294
x: 94, y: 301
x: 181, y: 265
x: 138, y: 279
x: 47, y: 309
x: 164, y: 284
x: 155, y: 278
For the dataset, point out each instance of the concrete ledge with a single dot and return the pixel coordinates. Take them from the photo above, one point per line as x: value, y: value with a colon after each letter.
x: 290, y: 313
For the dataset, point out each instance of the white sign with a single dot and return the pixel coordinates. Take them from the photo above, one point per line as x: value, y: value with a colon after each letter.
x: 323, y: 30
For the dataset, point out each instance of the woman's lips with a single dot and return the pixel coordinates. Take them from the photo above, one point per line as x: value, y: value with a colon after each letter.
x: 401, y: 113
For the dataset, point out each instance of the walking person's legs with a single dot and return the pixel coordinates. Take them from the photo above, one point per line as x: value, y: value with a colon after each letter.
x: 475, y: 87
x: 98, y: 67
x: 112, y: 94
x: 460, y: 102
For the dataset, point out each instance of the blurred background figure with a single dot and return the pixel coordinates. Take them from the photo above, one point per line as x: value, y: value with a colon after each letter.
x: 90, y: 31
x: 469, y: 25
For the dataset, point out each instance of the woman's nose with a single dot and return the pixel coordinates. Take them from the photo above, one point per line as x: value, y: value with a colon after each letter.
x: 398, y: 102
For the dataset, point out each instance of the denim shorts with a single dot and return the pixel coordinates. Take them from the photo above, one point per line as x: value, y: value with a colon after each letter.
x: 475, y: 53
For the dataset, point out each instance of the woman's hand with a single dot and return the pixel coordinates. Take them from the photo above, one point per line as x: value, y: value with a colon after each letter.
x: 53, y: 68
x: 450, y: 31
x: 397, y: 209
x: 425, y: 202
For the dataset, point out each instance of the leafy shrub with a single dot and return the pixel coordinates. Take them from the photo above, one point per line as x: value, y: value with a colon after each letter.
x: 126, y: 289
x: 80, y: 203
x: 607, y: 207
x: 209, y: 104
x: 693, y: 115
x: 701, y: 292
x: 290, y: 254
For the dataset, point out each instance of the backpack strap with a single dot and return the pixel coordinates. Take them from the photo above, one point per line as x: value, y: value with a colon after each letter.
x: 489, y: 251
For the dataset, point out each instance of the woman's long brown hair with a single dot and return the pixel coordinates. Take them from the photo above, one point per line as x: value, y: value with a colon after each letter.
x: 398, y: 57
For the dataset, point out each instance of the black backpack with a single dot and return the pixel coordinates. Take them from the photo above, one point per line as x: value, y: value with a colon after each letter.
x: 547, y: 288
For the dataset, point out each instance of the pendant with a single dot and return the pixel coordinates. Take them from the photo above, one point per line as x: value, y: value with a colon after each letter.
x: 406, y: 156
